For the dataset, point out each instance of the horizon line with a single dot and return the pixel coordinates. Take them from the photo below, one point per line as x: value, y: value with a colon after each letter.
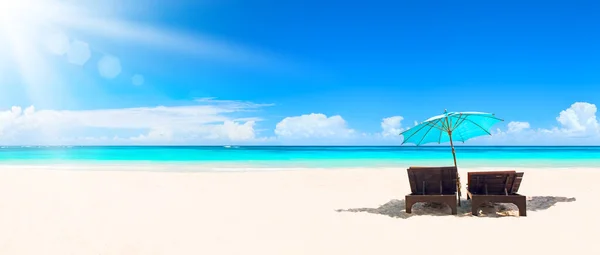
x: 232, y: 145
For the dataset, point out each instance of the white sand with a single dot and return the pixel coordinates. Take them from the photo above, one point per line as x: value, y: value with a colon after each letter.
x: 58, y: 211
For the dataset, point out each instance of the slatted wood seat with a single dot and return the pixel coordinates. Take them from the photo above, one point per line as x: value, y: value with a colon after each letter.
x: 495, y: 187
x: 432, y: 184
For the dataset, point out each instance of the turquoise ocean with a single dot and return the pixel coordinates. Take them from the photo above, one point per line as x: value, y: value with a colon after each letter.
x: 308, y: 156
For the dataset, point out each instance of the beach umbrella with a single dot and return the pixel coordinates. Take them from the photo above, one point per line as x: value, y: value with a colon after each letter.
x: 451, y: 127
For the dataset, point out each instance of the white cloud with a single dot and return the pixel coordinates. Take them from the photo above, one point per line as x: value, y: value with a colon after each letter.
x: 109, y: 66
x: 517, y: 126
x: 314, y: 125
x: 228, y: 131
x: 392, y: 126
x: 137, y: 80
x: 204, y: 123
x: 155, y: 135
x: 578, y: 125
x: 233, y: 104
x: 211, y: 121
x: 78, y: 53
x: 234, y: 131
x: 579, y: 120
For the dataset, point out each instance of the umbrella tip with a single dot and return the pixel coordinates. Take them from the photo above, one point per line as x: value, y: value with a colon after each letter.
x: 445, y: 110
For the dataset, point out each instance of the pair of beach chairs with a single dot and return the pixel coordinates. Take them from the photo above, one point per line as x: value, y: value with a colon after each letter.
x: 439, y: 184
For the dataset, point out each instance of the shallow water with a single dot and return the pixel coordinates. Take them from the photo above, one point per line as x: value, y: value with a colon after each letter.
x: 308, y: 156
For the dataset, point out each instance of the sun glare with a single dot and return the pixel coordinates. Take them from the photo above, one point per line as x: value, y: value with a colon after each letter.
x: 8, y: 9
x: 35, y: 35
x: 23, y: 29
x: 15, y: 12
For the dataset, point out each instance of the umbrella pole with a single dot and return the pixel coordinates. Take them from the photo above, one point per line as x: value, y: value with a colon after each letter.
x: 457, y: 176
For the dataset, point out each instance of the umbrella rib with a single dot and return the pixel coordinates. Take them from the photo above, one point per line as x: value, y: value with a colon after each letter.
x: 461, y: 119
x: 461, y: 136
x: 427, y: 132
x: 433, y: 125
x: 426, y: 124
x: 482, y: 115
x: 413, y: 134
x: 479, y: 126
x: 451, y: 127
x: 442, y: 131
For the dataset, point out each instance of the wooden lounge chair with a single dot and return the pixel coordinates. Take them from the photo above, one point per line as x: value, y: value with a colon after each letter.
x: 495, y: 187
x: 432, y: 184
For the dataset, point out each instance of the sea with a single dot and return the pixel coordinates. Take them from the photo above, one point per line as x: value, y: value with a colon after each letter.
x: 308, y: 156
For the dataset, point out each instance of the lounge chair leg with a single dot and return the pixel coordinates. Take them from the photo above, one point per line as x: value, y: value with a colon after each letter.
x: 475, y: 206
x: 522, y: 205
x: 454, y: 211
x: 408, y: 204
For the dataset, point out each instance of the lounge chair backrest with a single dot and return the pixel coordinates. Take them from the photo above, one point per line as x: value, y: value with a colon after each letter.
x: 494, y: 182
x: 516, y: 183
x: 432, y: 180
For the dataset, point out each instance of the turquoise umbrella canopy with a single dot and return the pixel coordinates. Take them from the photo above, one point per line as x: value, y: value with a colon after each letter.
x: 449, y: 127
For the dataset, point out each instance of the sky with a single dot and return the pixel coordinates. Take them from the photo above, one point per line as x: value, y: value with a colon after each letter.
x: 208, y: 72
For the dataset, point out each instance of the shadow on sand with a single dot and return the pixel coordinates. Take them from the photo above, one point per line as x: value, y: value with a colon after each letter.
x: 396, y: 208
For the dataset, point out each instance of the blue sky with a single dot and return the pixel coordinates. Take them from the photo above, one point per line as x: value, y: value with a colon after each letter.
x: 222, y: 72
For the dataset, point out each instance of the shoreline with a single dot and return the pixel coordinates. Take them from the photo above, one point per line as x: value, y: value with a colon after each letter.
x: 191, y: 167
x: 321, y: 163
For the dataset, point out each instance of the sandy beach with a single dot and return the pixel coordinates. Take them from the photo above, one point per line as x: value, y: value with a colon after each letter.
x: 87, y: 210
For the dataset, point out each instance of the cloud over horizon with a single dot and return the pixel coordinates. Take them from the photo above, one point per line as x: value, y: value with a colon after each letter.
x: 207, y: 122
x: 314, y: 126
x: 577, y: 125
x: 392, y: 126
x: 217, y: 122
